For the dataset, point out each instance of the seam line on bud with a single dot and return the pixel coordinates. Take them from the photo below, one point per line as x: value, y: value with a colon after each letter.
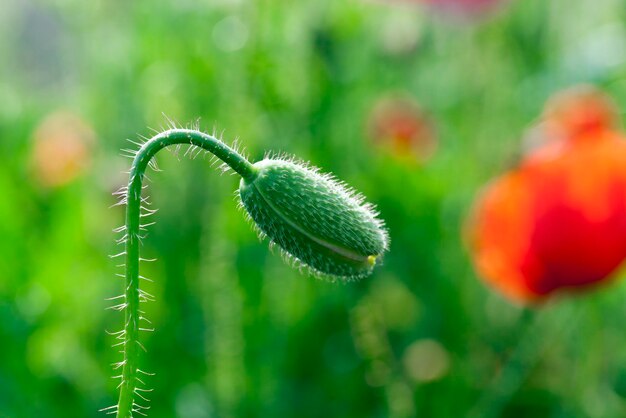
x: 335, y: 248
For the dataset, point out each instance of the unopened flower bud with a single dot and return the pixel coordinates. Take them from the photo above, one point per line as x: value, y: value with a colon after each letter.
x: 314, y: 218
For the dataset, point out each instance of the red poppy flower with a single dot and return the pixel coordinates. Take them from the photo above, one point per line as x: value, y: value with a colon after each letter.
x: 558, y: 220
x: 400, y: 126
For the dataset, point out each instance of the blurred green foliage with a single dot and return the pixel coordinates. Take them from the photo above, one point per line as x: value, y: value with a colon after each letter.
x: 238, y: 332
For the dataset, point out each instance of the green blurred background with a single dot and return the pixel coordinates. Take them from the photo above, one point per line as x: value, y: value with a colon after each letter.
x: 238, y: 332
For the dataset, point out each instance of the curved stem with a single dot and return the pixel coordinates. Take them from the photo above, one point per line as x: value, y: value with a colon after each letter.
x: 133, y: 295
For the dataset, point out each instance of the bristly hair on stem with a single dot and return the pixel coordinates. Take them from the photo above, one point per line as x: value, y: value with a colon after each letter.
x: 132, y: 394
x: 318, y: 222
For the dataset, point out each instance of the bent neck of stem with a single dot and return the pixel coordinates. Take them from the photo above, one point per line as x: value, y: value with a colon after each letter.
x: 130, y: 390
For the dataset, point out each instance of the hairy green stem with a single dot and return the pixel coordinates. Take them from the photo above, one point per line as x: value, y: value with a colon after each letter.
x: 129, y: 390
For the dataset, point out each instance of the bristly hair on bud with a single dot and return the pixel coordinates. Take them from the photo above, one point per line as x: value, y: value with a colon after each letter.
x: 315, y: 219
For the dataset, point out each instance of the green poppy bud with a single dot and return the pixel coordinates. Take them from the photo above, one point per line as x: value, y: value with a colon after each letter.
x: 314, y: 219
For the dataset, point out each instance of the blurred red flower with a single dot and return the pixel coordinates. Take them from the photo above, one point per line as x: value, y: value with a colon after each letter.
x: 458, y: 8
x: 399, y: 125
x: 462, y: 7
x: 62, y: 147
x: 558, y: 220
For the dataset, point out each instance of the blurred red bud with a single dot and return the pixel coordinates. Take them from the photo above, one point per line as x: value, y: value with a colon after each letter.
x: 581, y: 111
x: 62, y: 145
x: 401, y: 127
